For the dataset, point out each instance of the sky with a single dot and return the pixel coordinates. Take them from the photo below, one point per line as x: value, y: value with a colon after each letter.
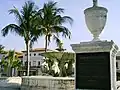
x: 79, y: 30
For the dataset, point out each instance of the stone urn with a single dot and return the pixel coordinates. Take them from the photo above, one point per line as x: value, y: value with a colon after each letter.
x: 95, y: 18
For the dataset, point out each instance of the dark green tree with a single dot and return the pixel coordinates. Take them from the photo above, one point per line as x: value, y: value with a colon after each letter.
x: 65, y: 62
x: 51, y: 22
x: 10, y: 61
x: 26, y: 26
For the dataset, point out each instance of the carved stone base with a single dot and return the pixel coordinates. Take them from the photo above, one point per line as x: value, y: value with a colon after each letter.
x: 101, y: 53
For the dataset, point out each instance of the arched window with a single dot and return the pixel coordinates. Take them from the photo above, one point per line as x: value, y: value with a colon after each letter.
x: 117, y: 65
x: 38, y: 63
x: 30, y: 63
x: 25, y: 63
x: 34, y: 54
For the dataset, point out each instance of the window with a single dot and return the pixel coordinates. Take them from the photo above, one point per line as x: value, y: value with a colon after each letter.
x: 117, y: 65
x: 30, y: 63
x: 34, y: 63
x: 30, y: 54
x: 34, y: 54
x: 39, y: 54
x: 38, y: 63
x: 25, y: 63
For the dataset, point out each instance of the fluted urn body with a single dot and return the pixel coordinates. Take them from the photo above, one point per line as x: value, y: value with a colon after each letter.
x: 95, y: 18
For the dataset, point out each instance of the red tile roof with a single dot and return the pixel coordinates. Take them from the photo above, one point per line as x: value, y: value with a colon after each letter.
x: 38, y: 50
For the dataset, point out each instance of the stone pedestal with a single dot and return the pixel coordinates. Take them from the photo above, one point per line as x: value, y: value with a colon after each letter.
x: 95, y: 65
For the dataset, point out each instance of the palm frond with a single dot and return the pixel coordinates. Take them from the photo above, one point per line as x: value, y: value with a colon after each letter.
x: 33, y: 40
x: 57, y: 40
x: 59, y: 11
x: 29, y: 10
x: 50, y: 4
x: 61, y: 29
x: 17, y: 14
x: 66, y: 33
x: 49, y: 38
x: 12, y: 28
x: 67, y: 19
x: 58, y: 19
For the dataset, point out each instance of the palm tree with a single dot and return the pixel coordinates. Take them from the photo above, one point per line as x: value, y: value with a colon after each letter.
x: 26, y: 26
x: 10, y: 62
x: 51, y: 22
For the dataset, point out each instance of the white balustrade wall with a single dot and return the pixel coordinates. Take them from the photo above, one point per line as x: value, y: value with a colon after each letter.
x: 47, y: 83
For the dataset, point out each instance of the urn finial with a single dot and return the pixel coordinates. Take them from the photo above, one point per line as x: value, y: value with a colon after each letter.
x: 95, y: 2
x: 95, y: 18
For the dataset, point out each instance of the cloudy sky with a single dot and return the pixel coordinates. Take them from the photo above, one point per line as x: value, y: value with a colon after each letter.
x: 73, y: 8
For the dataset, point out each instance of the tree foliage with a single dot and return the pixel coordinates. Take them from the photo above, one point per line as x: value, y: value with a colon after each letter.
x: 63, y: 60
x: 51, y: 22
x: 10, y: 61
x: 26, y: 26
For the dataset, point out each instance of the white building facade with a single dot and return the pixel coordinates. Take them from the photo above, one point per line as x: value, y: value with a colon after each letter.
x: 36, y: 59
x: 118, y: 62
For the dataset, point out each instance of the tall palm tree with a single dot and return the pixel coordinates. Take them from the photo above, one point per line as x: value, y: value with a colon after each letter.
x: 51, y: 22
x: 26, y: 26
x: 10, y: 61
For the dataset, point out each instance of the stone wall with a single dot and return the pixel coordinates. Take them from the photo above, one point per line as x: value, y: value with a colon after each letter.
x: 47, y: 83
x: 10, y: 83
x: 38, y: 83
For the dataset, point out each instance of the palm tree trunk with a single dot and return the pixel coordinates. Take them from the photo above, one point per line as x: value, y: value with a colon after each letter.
x: 28, y: 57
x: 9, y: 72
x: 46, y: 43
